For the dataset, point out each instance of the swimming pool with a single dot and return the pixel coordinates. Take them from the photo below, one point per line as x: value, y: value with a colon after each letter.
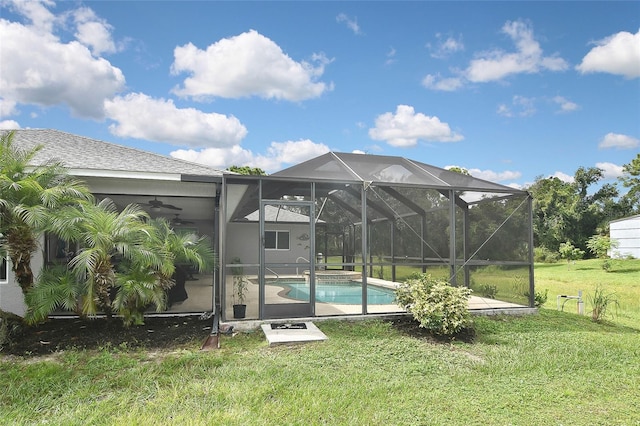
x: 349, y: 293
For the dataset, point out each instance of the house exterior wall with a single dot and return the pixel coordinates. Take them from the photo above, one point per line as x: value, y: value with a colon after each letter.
x: 626, y: 232
x: 11, y: 298
x: 243, y: 243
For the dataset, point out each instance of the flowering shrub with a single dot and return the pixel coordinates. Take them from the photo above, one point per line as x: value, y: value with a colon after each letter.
x: 437, y: 306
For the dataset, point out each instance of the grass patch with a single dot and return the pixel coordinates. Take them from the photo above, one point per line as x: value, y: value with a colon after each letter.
x: 518, y: 370
x: 546, y: 369
x: 587, y: 275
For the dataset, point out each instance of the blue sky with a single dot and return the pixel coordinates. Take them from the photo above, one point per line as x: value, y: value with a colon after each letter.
x: 508, y: 90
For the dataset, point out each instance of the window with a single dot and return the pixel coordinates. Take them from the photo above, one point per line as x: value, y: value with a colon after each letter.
x: 4, y: 267
x: 276, y: 240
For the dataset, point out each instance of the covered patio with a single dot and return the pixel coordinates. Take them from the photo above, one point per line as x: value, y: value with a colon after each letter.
x: 334, y: 235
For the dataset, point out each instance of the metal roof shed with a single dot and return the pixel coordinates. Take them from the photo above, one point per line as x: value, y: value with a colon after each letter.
x: 626, y: 234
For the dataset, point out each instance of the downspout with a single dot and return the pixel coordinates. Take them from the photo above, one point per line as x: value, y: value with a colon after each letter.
x: 213, y: 340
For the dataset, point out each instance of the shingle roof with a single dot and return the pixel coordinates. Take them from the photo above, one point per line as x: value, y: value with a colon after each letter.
x: 278, y: 214
x: 79, y: 152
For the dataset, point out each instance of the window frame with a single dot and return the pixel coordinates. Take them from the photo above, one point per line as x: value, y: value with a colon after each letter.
x: 277, y: 233
x: 4, y: 270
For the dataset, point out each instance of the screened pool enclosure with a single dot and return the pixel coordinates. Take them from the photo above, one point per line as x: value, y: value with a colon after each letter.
x: 335, y: 234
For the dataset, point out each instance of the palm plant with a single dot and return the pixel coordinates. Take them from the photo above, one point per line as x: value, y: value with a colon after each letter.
x: 125, y: 263
x: 106, y: 237
x: 184, y: 247
x: 28, y: 194
x: 56, y: 289
x: 139, y: 286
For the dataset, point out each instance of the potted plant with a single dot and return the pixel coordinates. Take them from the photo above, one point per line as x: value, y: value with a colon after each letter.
x: 240, y: 288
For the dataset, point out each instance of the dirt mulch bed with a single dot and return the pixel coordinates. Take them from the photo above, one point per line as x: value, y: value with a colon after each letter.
x: 62, y: 334
x: 410, y: 327
x: 158, y: 333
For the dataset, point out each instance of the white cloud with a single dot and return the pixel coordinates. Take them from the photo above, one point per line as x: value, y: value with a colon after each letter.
x: 617, y: 140
x: 520, y: 106
x: 293, y: 152
x: 618, y: 54
x: 352, y: 24
x: 406, y: 127
x: 93, y: 32
x: 435, y: 82
x: 277, y: 156
x: 391, y: 56
x: 563, y: 177
x: 42, y: 20
x: 493, y: 176
x: 446, y: 47
x: 9, y: 125
x: 7, y: 107
x: 496, y: 64
x: 525, y: 105
x: 37, y: 68
x: 490, y: 175
x: 611, y: 171
x: 248, y: 64
x: 139, y: 116
x: 528, y: 58
x: 516, y: 185
x: 565, y: 104
x: 219, y: 158
x: 504, y: 110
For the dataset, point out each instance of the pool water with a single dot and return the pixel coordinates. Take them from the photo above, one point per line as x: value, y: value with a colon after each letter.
x: 343, y: 293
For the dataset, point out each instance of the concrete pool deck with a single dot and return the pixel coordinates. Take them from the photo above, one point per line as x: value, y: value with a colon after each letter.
x: 273, y: 294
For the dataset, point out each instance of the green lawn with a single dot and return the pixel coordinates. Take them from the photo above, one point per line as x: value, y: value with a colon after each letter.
x: 568, y: 279
x: 547, y: 369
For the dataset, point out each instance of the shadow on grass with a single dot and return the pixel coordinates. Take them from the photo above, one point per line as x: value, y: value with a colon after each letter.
x: 550, y: 320
x: 623, y: 271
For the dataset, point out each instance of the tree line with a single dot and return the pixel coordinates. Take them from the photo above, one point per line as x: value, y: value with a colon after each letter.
x: 575, y: 212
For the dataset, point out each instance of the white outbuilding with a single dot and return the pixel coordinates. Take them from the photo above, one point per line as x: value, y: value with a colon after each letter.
x: 626, y: 234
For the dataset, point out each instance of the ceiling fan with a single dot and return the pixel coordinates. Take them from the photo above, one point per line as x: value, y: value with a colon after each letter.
x: 176, y: 221
x: 157, y: 205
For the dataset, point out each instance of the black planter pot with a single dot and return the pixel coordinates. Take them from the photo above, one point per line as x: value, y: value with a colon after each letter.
x: 239, y: 311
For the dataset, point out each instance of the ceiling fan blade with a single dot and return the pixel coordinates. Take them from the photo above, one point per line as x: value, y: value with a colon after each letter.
x: 176, y: 221
x: 169, y: 206
x: 157, y: 204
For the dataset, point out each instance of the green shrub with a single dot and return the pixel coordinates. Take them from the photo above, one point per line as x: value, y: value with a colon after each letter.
x: 544, y: 255
x: 539, y: 298
x: 436, y: 305
x: 488, y: 290
x: 600, y: 245
x: 569, y: 252
x: 607, y: 265
x: 600, y: 303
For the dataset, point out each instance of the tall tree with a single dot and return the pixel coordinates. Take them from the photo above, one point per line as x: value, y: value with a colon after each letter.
x: 631, y: 179
x: 573, y: 211
x: 554, y: 204
x: 246, y: 170
x: 28, y: 194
